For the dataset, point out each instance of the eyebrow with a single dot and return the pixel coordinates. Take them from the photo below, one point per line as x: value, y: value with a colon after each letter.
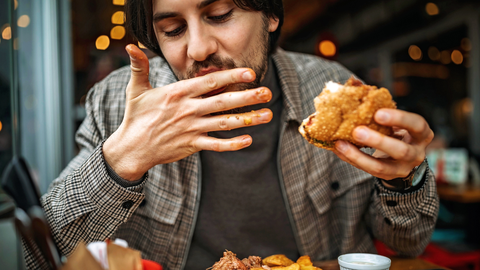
x: 165, y: 15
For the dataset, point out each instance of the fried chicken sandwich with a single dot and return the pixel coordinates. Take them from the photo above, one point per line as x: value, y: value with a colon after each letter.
x: 341, y: 108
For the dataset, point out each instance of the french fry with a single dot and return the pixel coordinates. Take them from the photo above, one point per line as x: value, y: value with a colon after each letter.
x: 277, y: 260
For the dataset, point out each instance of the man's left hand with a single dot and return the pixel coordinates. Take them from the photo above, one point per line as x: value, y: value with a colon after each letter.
x: 394, y: 156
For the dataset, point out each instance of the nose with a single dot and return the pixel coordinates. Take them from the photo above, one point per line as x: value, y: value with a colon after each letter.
x: 201, y: 43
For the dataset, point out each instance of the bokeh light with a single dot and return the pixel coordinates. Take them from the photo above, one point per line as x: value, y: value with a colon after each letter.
x: 1, y: 126
x: 102, y: 42
x: 23, y: 21
x: 415, y: 52
x: 431, y: 9
x: 327, y: 48
x: 117, y: 32
x: 445, y: 57
x: 6, y: 31
x: 118, y: 17
x: 433, y: 54
x: 457, y: 57
x: 466, y: 44
x: 119, y: 2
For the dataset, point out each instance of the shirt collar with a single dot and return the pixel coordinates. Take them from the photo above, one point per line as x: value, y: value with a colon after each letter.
x: 290, y: 86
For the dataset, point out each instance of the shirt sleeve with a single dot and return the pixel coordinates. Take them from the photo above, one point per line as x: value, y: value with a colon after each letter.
x: 85, y: 203
x: 404, y: 221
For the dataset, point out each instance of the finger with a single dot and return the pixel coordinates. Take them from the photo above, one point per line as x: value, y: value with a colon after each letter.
x: 218, y: 80
x: 233, y: 121
x: 395, y: 148
x: 139, y: 66
x: 382, y: 168
x: 222, y: 145
x: 232, y: 100
x: 414, y: 123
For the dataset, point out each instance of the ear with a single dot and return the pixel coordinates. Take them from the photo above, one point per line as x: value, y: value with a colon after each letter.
x: 273, y: 24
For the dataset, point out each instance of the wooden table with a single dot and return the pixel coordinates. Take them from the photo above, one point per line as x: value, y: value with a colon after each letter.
x: 397, y: 264
x: 466, y: 193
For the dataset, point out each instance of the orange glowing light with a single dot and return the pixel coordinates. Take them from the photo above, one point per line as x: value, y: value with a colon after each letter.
x: 466, y: 44
x: 102, y: 42
x: 119, y: 2
x: 432, y: 9
x: 327, y: 48
x: 6, y: 32
x: 445, y: 57
x: 1, y: 125
x: 457, y: 57
x: 118, y: 17
x: 23, y: 21
x: 415, y: 52
x: 117, y: 32
x: 434, y: 54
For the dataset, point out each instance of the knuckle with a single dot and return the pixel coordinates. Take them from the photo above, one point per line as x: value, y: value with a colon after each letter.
x: 233, y: 77
x: 403, y: 151
x: 222, y: 123
x: 378, y: 169
x: 211, y: 82
x: 216, y: 146
x: 220, y: 105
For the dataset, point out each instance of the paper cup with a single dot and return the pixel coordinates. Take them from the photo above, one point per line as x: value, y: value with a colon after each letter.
x: 363, y: 261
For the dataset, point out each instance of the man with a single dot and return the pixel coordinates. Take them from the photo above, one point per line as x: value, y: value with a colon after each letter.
x: 200, y: 152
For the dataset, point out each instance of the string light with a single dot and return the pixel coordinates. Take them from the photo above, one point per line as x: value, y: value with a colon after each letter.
x: 23, y: 21
x: 119, y: 2
x: 466, y: 44
x: 431, y: 9
x: 6, y: 32
x: 457, y: 57
x: 415, y: 52
x: 433, y: 54
x: 102, y: 42
x: 117, y: 32
x: 327, y: 48
x: 118, y: 17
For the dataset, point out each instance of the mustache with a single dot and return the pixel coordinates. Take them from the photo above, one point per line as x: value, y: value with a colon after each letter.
x: 211, y: 61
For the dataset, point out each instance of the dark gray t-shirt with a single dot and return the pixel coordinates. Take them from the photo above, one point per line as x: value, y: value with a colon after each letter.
x: 241, y: 207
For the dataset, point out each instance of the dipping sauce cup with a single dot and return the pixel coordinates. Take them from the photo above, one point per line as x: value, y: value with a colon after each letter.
x: 363, y: 261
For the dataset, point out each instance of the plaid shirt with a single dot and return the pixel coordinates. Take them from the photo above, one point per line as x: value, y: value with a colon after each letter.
x: 334, y: 208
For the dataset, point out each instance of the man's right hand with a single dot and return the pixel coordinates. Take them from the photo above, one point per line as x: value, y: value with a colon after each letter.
x: 165, y: 124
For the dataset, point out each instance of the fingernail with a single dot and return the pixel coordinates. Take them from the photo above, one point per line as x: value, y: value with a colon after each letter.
x: 360, y: 134
x: 246, y: 141
x: 382, y: 116
x: 247, y: 75
x: 341, y: 146
x: 263, y: 94
x: 265, y: 116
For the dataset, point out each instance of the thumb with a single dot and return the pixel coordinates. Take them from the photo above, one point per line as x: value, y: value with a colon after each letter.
x: 140, y: 67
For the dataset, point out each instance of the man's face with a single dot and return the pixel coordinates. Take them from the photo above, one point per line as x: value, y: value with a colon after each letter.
x: 198, y: 37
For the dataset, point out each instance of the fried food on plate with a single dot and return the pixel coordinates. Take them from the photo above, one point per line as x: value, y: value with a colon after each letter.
x: 341, y: 108
x: 229, y: 261
x: 277, y: 260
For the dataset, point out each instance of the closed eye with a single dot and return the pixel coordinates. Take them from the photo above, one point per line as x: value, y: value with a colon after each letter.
x: 221, y: 18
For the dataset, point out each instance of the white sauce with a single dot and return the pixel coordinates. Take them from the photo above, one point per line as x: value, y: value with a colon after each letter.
x: 333, y: 86
x: 364, y: 263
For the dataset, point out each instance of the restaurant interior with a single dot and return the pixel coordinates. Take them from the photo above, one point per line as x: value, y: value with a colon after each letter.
x: 426, y: 52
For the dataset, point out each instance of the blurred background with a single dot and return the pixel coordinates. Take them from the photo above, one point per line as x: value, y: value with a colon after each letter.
x: 427, y: 53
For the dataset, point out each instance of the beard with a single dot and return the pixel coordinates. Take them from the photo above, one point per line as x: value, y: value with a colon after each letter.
x: 257, y: 60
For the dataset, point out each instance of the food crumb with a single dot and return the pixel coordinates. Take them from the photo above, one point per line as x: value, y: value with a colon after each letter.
x: 247, y: 120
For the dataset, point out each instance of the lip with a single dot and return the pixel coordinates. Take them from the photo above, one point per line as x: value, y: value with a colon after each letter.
x: 205, y: 71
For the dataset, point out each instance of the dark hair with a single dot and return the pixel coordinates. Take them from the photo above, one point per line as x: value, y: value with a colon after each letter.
x: 139, y: 16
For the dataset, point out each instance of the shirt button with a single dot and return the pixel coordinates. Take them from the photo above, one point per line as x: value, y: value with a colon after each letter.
x: 391, y: 203
x: 387, y: 220
x: 127, y: 204
x: 335, y: 185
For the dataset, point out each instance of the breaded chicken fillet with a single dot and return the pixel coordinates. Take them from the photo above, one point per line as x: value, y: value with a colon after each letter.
x: 341, y: 108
